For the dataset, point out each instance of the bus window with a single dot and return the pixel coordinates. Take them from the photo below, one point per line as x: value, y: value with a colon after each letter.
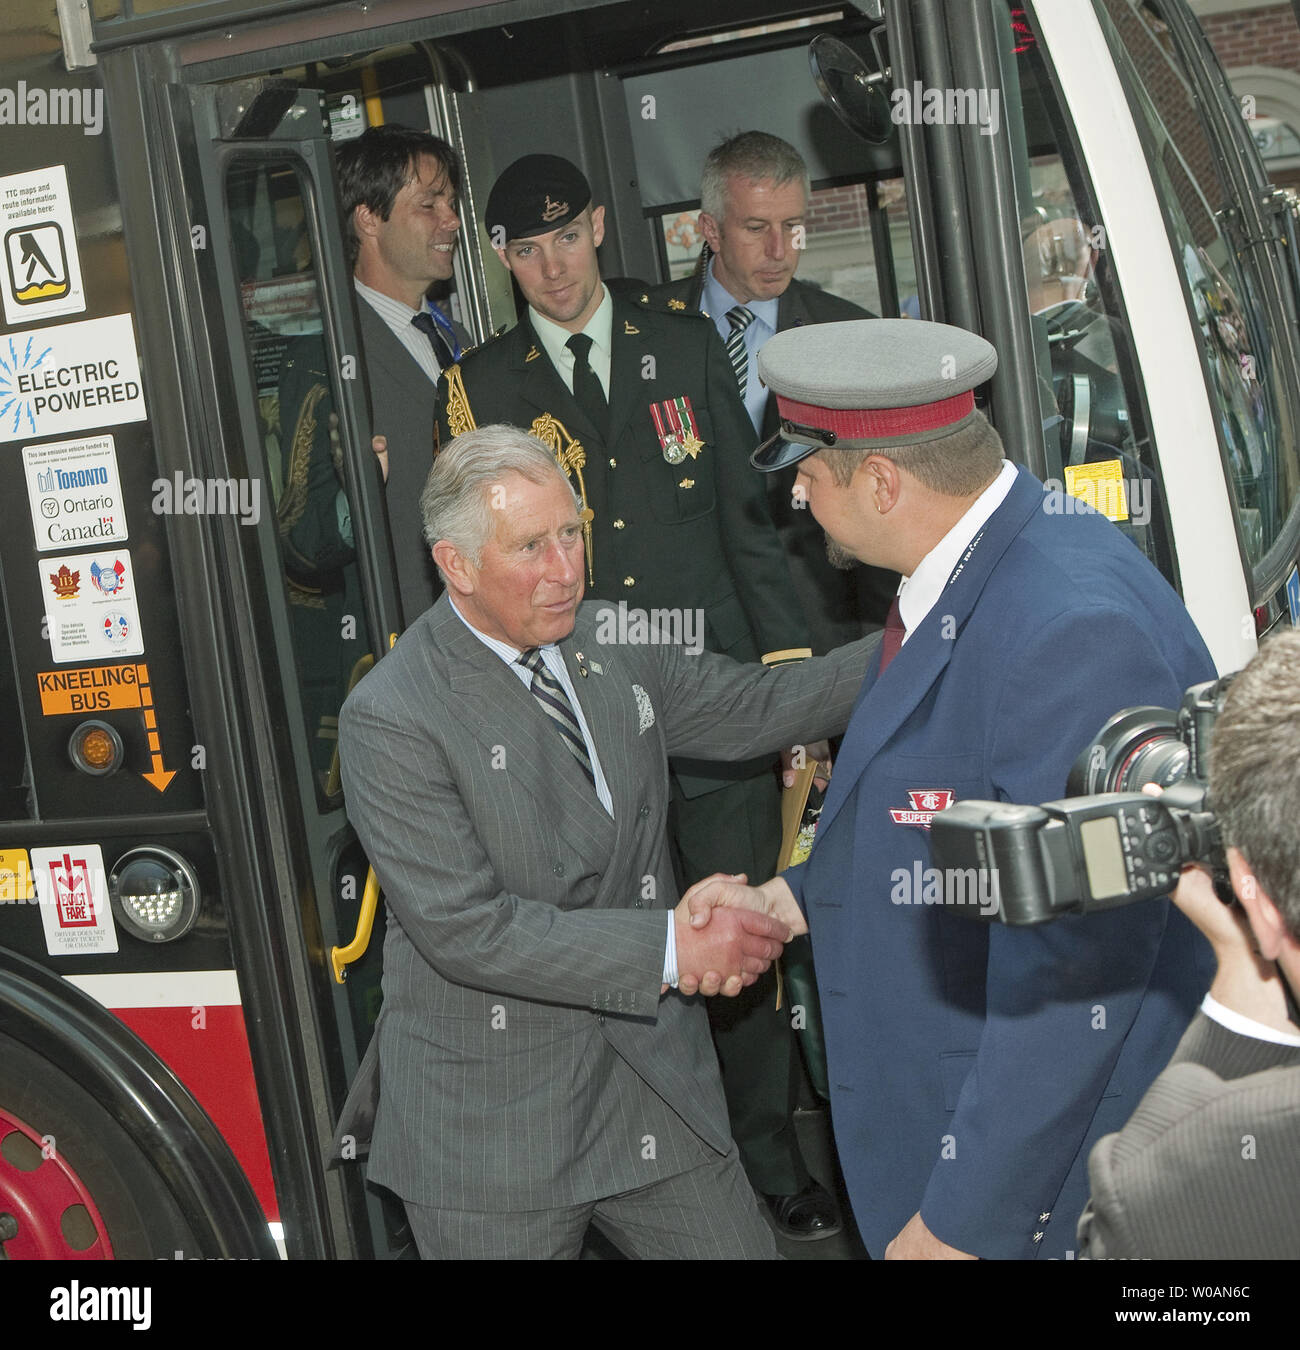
x: 281, y: 305
x: 1098, y: 444
x: 1256, y: 437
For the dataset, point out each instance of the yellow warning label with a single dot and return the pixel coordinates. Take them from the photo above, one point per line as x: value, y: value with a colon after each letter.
x: 89, y: 689
x: 1100, y: 485
x: 15, y: 875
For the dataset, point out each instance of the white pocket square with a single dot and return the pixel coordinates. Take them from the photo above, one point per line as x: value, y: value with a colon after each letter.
x: 645, y: 713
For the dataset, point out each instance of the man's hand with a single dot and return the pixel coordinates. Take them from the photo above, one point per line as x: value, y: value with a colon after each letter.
x: 379, y: 444
x: 730, y: 892
x: 1244, y: 981
x: 798, y: 755
x: 728, y: 955
x: 916, y: 1243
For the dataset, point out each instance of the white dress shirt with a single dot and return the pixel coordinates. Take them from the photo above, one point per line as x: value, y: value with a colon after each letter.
x: 599, y: 328
x: 919, y: 593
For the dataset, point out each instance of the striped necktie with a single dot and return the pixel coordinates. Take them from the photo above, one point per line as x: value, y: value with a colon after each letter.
x: 739, y: 318
x: 554, y: 702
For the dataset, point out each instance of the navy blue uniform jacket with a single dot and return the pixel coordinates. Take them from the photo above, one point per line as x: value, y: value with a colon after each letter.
x: 973, y: 1066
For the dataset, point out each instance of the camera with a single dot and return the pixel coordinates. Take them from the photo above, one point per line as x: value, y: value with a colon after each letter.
x: 1107, y: 846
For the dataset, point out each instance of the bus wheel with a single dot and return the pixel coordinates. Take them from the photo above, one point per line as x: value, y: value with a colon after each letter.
x: 73, y: 1184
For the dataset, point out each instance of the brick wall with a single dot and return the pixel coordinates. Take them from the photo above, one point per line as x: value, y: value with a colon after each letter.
x: 1267, y: 36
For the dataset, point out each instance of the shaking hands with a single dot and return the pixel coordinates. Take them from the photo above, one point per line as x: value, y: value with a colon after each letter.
x: 728, y: 933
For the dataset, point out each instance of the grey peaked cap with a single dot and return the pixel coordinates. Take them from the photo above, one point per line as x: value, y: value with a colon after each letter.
x: 875, y: 363
x: 866, y: 366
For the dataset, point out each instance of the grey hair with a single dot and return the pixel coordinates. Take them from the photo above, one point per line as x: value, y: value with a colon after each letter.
x: 455, y: 502
x: 1254, y: 780
x: 965, y: 460
x: 753, y: 155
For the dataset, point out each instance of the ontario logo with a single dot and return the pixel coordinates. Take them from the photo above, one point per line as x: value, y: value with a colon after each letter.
x: 925, y: 802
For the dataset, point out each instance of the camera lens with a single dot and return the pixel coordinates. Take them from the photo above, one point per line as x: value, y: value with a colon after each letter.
x: 1136, y: 747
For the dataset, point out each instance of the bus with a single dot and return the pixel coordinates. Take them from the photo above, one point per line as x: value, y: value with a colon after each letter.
x: 1074, y: 179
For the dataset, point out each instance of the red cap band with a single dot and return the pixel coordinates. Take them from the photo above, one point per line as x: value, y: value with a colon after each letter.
x: 879, y: 424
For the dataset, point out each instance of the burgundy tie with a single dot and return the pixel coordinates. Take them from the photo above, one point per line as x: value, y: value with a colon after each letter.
x: 894, y: 632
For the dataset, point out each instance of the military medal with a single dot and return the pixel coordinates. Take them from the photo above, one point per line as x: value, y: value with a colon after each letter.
x: 674, y: 421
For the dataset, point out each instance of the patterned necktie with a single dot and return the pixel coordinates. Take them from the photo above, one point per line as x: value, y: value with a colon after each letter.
x: 739, y: 318
x: 893, y: 640
x: 587, y: 393
x: 554, y: 702
x: 428, y: 325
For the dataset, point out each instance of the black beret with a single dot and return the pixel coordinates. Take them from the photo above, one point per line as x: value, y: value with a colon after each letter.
x: 535, y: 195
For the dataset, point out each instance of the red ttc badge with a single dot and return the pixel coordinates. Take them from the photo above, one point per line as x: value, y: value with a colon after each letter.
x: 925, y: 802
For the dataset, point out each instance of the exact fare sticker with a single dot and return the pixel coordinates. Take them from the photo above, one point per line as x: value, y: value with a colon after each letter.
x: 91, y: 606
x: 73, y: 890
x: 1100, y: 485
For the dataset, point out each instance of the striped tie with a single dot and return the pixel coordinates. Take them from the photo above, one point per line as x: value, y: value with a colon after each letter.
x: 554, y: 702
x: 739, y: 318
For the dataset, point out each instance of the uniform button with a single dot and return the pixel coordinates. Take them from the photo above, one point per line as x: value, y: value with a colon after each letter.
x: 643, y: 812
x: 1038, y: 1237
x: 1045, y: 1216
x: 613, y: 463
x: 558, y: 869
x: 600, y: 1019
x: 636, y: 904
x: 629, y: 581
x: 618, y: 524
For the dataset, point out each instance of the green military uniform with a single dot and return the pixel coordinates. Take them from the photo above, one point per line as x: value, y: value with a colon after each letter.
x: 689, y: 535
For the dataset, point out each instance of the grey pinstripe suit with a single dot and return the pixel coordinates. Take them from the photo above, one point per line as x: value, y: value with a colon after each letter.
x: 1209, y: 1165
x: 525, y: 1051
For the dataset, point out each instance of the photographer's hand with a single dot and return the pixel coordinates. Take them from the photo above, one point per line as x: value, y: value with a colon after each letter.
x: 1245, y: 981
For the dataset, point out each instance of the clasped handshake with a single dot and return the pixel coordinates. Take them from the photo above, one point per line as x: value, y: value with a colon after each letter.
x: 729, y: 932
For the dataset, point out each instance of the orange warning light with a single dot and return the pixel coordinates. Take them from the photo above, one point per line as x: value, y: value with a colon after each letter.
x: 96, y: 748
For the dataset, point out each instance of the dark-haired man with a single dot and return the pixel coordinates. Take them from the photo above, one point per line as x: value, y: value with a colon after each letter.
x: 399, y: 189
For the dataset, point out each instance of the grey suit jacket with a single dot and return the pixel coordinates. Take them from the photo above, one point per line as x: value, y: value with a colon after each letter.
x: 1209, y: 1165
x: 401, y: 400
x: 526, y: 1057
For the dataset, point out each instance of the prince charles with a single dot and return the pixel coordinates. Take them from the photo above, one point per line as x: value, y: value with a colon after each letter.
x: 543, y: 1066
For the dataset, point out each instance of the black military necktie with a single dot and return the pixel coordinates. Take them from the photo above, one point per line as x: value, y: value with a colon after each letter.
x: 587, y: 393
x: 554, y: 702
x: 428, y: 325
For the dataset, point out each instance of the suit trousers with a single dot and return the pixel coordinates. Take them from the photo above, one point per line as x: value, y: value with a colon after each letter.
x: 738, y: 829
x: 709, y: 1213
